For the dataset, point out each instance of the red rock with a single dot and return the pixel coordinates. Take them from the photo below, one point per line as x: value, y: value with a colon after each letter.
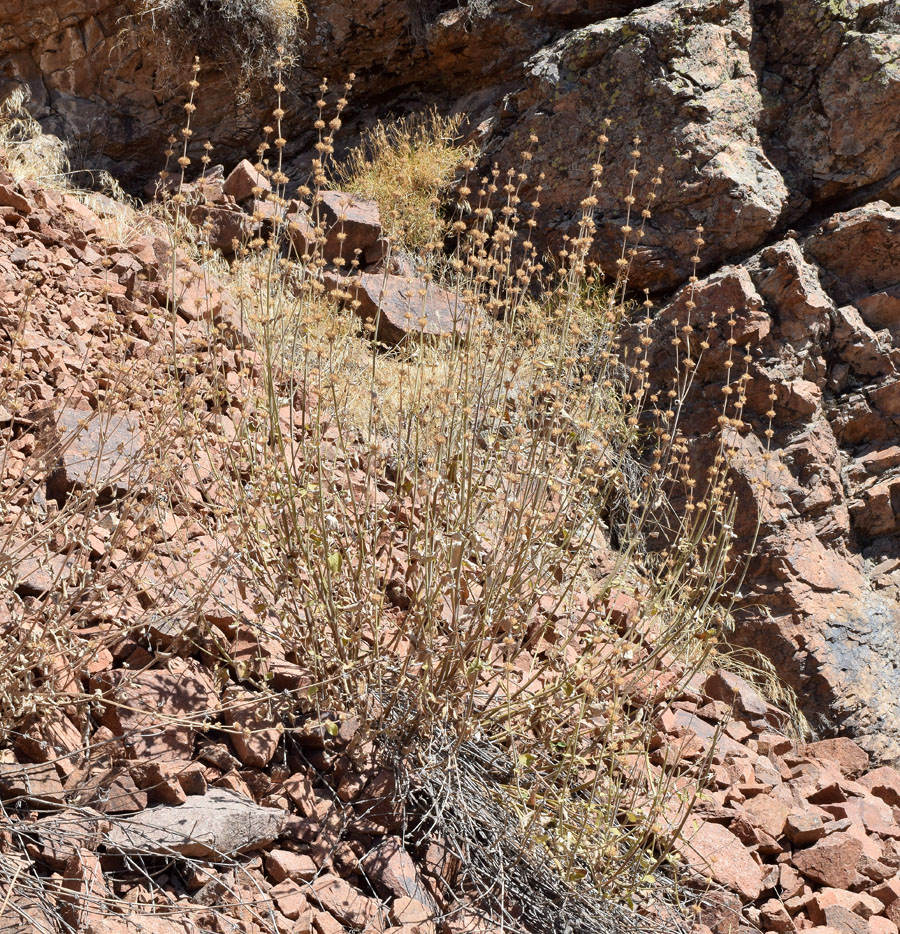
x: 115, y: 793
x: 139, y: 705
x: 222, y: 227
x: 391, y: 870
x: 851, y: 758
x: 350, y: 222
x: 97, y: 450
x: 40, y: 783
x: 831, y: 861
x: 409, y: 911
x: 731, y: 689
x: 767, y: 813
x: 844, y: 920
x: 243, y: 179
x: 789, y: 880
x: 325, y: 923
x: 48, y: 736
x: 858, y: 902
x: 169, y: 782
x: 884, y: 783
x: 713, y: 850
x: 889, y: 895
x: 871, y: 813
x: 774, y: 917
x: 285, y: 864
x: 14, y: 200
x: 300, y: 790
x: 773, y: 744
x: 878, y: 924
x: 802, y: 827
x: 85, y: 888
x: 345, y: 902
x: 290, y: 899
x: 254, y: 730
x: 403, y: 308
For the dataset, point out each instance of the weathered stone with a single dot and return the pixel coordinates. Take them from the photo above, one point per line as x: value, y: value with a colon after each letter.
x: 713, y: 851
x: 352, y: 225
x: 831, y: 861
x: 401, y: 308
x: 858, y: 902
x: 38, y: 784
x: 392, y: 872
x: 342, y: 900
x: 768, y: 813
x: 775, y: 917
x: 290, y: 899
x: 888, y: 894
x: 851, y: 758
x: 285, y: 864
x: 100, y: 450
x: 244, y: 181
x: 884, y: 783
x: 732, y: 689
x: 223, y: 228
x: 221, y: 823
x: 254, y: 731
x: 141, y: 706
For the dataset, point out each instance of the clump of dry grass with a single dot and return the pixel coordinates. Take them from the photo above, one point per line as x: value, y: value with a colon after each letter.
x: 406, y: 166
x: 26, y: 152
x: 242, y: 32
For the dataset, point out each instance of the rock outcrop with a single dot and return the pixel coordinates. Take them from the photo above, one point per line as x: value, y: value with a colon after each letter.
x: 819, y: 317
x: 759, y: 112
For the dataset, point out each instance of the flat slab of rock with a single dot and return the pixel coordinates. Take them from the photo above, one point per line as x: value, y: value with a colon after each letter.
x: 220, y: 823
x: 402, y: 307
x: 715, y: 852
x: 98, y: 450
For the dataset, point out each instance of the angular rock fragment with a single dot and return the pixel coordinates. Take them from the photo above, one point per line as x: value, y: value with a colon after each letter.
x: 832, y: 861
x: 713, y: 851
x: 404, y: 308
x: 220, y: 823
x: 243, y: 179
x: 155, y: 710
x: 352, y: 225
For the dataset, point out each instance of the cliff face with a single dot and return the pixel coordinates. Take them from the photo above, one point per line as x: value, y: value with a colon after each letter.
x: 763, y: 114
x: 777, y: 124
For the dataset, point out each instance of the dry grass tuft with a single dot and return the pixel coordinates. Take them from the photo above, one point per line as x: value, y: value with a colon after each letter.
x: 26, y: 152
x: 245, y: 32
x: 406, y: 166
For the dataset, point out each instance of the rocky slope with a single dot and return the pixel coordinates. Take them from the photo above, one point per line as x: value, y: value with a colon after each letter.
x: 776, y: 124
x: 821, y: 317
x: 180, y: 802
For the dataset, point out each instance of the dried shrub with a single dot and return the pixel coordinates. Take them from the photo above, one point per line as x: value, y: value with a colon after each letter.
x: 406, y: 166
x: 245, y: 32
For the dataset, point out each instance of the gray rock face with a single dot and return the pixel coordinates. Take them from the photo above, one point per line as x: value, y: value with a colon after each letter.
x: 221, y: 823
